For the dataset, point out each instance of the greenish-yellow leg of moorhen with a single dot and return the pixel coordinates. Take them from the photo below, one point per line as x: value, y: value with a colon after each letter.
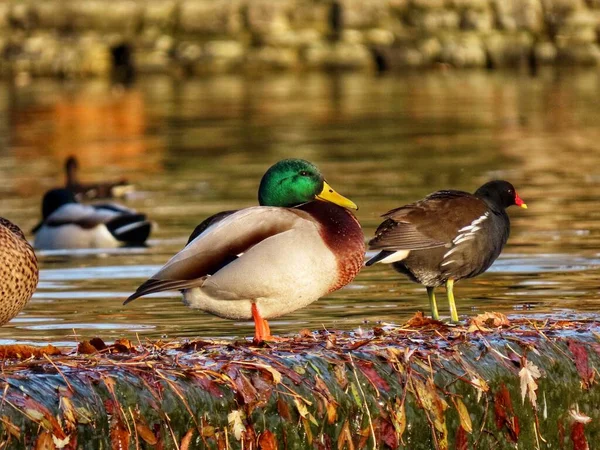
x: 450, y: 293
x: 432, y: 303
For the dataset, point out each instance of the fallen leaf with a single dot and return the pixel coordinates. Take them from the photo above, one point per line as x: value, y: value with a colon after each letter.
x: 582, y: 364
x: 528, y: 374
x: 60, y: 443
x: 17, y: 351
x: 267, y: 441
x: 146, y: 433
x: 419, y: 321
x: 505, y: 415
x: 462, y: 439
x: 480, y: 385
x: 487, y: 320
x: 85, y: 348
x: 303, y: 410
x: 463, y: 415
x: 283, y: 409
x: 186, y: 440
x: 578, y: 437
x: 44, y: 442
x: 98, y: 343
x: 119, y: 436
x: 387, y: 433
x: 579, y: 416
x: 14, y: 430
x: 398, y: 416
x: 68, y: 413
x: 345, y: 438
x: 235, y: 420
x: 366, y: 367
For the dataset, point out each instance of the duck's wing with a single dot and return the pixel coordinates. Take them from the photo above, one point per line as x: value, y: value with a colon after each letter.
x: 218, y: 243
x: 207, y: 223
x: 432, y: 222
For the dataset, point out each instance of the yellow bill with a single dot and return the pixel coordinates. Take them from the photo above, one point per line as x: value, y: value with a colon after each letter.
x: 329, y: 195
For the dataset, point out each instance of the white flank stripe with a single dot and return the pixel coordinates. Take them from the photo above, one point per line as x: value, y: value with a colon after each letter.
x: 396, y: 256
x: 126, y: 228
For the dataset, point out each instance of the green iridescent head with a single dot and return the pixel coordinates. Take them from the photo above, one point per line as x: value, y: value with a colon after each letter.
x: 292, y: 182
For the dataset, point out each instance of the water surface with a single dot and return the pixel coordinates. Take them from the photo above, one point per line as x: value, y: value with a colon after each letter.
x: 195, y: 147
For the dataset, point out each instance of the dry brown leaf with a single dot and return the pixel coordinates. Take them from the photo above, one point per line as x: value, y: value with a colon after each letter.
x: 487, y: 320
x: 186, y: 440
x: 44, y: 442
x: 119, y: 437
x: 146, y: 433
x: 14, y: 430
x: 85, y: 348
x: 267, y: 441
x: 17, y: 351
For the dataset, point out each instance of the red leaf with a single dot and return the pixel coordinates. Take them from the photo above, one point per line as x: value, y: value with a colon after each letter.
x: 368, y: 371
x: 388, y: 434
x: 243, y: 387
x: 267, y: 441
x: 209, y: 385
x: 581, y: 362
x: 283, y: 409
x: 578, y: 437
x: 505, y: 415
x: 462, y: 439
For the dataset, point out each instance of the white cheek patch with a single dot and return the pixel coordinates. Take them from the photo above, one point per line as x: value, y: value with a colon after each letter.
x: 396, y: 256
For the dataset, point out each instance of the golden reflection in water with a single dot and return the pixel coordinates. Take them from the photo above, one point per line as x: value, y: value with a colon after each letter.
x: 199, y: 146
x: 105, y: 128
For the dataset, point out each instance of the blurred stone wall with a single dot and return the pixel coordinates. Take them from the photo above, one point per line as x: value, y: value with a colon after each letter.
x: 90, y: 37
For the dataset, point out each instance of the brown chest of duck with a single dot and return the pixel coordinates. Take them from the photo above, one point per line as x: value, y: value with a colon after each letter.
x: 18, y: 272
x: 447, y: 236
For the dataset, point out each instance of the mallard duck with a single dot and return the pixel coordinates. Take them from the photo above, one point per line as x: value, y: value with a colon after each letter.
x: 266, y: 261
x: 68, y: 224
x: 82, y: 191
x: 18, y: 271
x: 447, y: 236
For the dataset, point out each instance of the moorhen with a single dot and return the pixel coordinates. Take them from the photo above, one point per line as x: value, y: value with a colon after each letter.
x: 447, y: 236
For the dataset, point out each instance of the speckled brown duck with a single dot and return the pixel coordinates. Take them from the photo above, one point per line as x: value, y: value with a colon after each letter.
x: 266, y: 261
x: 18, y: 271
x: 447, y: 236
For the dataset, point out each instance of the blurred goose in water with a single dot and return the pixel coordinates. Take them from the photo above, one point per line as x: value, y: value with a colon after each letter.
x: 266, y: 261
x: 67, y: 224
x: 93, y: 190
x: 18, y: 270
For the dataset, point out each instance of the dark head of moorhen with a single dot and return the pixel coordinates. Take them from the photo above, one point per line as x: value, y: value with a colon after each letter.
x: 447, y: 236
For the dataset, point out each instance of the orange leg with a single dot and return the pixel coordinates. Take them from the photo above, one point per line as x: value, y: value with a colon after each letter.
x: 262, y: 331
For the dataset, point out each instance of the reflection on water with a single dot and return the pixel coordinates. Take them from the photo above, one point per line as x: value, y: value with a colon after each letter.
x: 195, y: 147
